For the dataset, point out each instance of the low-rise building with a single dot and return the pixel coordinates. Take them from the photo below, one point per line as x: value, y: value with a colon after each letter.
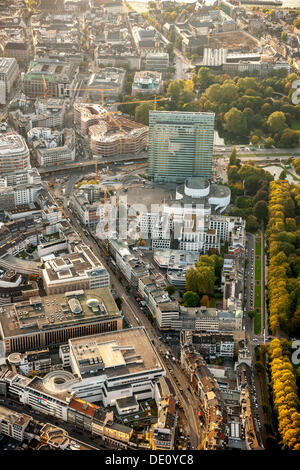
x: 109, y: 136
x: 132, y: 266
x: 75, y: 271
x: 109, y: 83
x: 52, y: 147
x: 147, y: 83
x: 45, y: 113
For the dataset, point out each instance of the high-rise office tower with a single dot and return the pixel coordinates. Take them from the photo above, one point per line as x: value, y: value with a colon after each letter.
x: 180, y: 145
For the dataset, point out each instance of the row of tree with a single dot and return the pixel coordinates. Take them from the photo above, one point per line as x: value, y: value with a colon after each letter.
x: 284, y: 387
x: 283, y: 234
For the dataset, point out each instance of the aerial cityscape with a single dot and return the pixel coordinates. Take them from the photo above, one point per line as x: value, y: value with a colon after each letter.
x: 150, y: 226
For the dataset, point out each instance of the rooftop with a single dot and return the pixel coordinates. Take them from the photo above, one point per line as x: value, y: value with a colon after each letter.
x: 11, y: 144
x: 17, y: 419
x: 122, y: 353
x: 79, y: 264
x: 57, y: 311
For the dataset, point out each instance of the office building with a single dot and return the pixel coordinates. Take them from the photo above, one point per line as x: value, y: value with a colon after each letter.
x: 180, y: 145
x: 9, y: 73
x: 59, y: 75
x: 78, y: 270
x: 42, y: 322
x: 14, y: 154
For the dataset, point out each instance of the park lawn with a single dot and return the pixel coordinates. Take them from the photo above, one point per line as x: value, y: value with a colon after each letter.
x: 257, y: 324
x: 258, y: 245
x: 257, y: 295
x: 296, y: 125
x: 257, y: 269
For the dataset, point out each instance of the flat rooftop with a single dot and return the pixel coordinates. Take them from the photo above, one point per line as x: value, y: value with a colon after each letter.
x: 12, y: 144
x: 72, y: 265
x: 58, y: 311
x: 123, y: 353
x: 14, y: 418
x: 175, y: 259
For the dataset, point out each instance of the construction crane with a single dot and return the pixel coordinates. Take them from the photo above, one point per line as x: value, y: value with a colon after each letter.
x: 98, y: 177
x: 47, y: 93
x: 95, y: 89
x: 133, y: 102
x: 155, y: 100
x: 214, y: 427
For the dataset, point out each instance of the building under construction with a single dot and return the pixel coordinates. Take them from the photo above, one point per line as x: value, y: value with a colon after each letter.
x: 110, y: 134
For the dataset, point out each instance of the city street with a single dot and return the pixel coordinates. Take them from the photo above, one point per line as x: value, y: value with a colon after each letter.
x: 135, y: 317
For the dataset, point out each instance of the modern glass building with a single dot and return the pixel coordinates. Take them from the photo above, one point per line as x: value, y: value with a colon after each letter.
x: 180, y: 145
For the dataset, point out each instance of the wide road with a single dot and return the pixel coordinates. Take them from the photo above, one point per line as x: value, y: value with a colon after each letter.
x: 142, y: 156
x: 190, y: 402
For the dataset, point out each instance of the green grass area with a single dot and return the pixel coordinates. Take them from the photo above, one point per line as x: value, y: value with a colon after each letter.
x: 282, y: 154
x: 257, y: 258
x: 257, y: 269
x: 257, y: 324
x: 257, y: 296
x: 296, y: 126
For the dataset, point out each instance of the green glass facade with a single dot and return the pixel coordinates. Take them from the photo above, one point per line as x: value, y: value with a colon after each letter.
x: 180, y: 145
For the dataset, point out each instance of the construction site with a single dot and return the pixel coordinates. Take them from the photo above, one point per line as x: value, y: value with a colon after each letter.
x: 109, y: 136
x: 235, y: 41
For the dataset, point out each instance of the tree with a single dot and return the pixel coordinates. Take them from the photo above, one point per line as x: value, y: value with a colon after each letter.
x: 251, y: 313
x: 276, y: 122
x: 142, y: 112
x: 204, y: 301
x: 251, y: 224
x: 235, y: 122
x: 260, y: 211
x: 233, y: 160
x: 283, y: 175
x: 119, y: 302
x: 261, y: 195
x: 200, y: 279
x: 297, y: 23
x: 205, y: 78
x: 289, y: 138
x: 170, y: 289
x: 269, y: 143
x: 191, y: 299
x: 254, y: 140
